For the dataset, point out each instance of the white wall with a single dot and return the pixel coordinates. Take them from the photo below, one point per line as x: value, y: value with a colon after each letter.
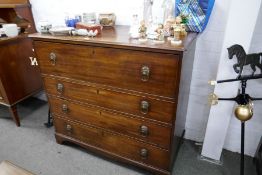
x: 55, y: 11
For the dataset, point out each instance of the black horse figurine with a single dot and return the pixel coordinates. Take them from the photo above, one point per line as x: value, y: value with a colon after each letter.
x: 254, y: 60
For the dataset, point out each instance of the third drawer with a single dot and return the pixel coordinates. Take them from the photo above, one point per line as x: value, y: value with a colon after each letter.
x: 144, y: 130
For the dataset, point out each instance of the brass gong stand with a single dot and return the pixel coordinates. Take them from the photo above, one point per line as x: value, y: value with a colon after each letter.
x: 244, y: 110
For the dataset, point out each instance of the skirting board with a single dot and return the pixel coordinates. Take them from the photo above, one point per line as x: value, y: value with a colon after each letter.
x: 41, y: 96
x: 216, y: 162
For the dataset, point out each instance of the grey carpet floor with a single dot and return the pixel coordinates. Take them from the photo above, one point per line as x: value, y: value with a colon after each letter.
x: 33, y: 147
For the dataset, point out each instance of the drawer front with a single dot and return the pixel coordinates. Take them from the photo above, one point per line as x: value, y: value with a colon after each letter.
x: 127, y: 103
x: 114, y: 143
x: 141, y: 129
x: 153, y: 73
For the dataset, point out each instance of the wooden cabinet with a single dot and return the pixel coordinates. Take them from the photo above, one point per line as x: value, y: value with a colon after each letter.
x: 114, y: 96
x: 18, y: 78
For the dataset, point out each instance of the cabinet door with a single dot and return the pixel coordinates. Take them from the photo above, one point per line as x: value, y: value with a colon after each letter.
x: 19, y: 78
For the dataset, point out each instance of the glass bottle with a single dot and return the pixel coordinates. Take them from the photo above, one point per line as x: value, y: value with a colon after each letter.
x: 168, y: 6
x: 147, y: 14
x: 134, y: 28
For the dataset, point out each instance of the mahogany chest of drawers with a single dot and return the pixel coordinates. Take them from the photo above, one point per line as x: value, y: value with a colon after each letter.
x: 114, y: 96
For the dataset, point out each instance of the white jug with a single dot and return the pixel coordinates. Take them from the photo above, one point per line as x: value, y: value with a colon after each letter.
x: 10, y: 30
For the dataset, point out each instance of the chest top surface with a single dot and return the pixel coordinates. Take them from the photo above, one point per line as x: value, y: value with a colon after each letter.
x: 118, y: 37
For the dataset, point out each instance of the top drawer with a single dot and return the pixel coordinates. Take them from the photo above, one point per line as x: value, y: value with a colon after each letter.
x: 152, y: 73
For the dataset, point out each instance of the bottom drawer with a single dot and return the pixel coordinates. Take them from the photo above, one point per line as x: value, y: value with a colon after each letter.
x: 114, y: 143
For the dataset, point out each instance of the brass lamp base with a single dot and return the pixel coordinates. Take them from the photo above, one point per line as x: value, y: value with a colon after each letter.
x: 244, y: 112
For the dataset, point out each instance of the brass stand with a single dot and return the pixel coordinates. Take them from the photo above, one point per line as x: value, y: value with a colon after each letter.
x: 244, y: 110
x: 258, y: 158
x: 49, y: 122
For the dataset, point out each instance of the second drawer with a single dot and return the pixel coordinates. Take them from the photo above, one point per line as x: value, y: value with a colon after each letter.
x: 133, y: 127
x: 128, y: 103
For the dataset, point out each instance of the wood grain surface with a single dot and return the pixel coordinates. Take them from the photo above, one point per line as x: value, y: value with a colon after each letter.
x: 18, y: 77
x: 118, y: 37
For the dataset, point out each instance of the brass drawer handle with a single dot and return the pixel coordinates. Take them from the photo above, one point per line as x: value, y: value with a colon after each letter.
x: 144, y: 130
x: 69, y: 128
x: 52, y: 57
x: 145, y: 73
x: 144, y: 153
x: 145, y: 107
x: 65, y: 108
x: 60, y: 87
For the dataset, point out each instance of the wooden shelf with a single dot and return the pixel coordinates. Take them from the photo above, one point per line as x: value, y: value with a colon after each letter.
x: 13, y: 3
x: 7, y: 6
x: 9, y: 39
